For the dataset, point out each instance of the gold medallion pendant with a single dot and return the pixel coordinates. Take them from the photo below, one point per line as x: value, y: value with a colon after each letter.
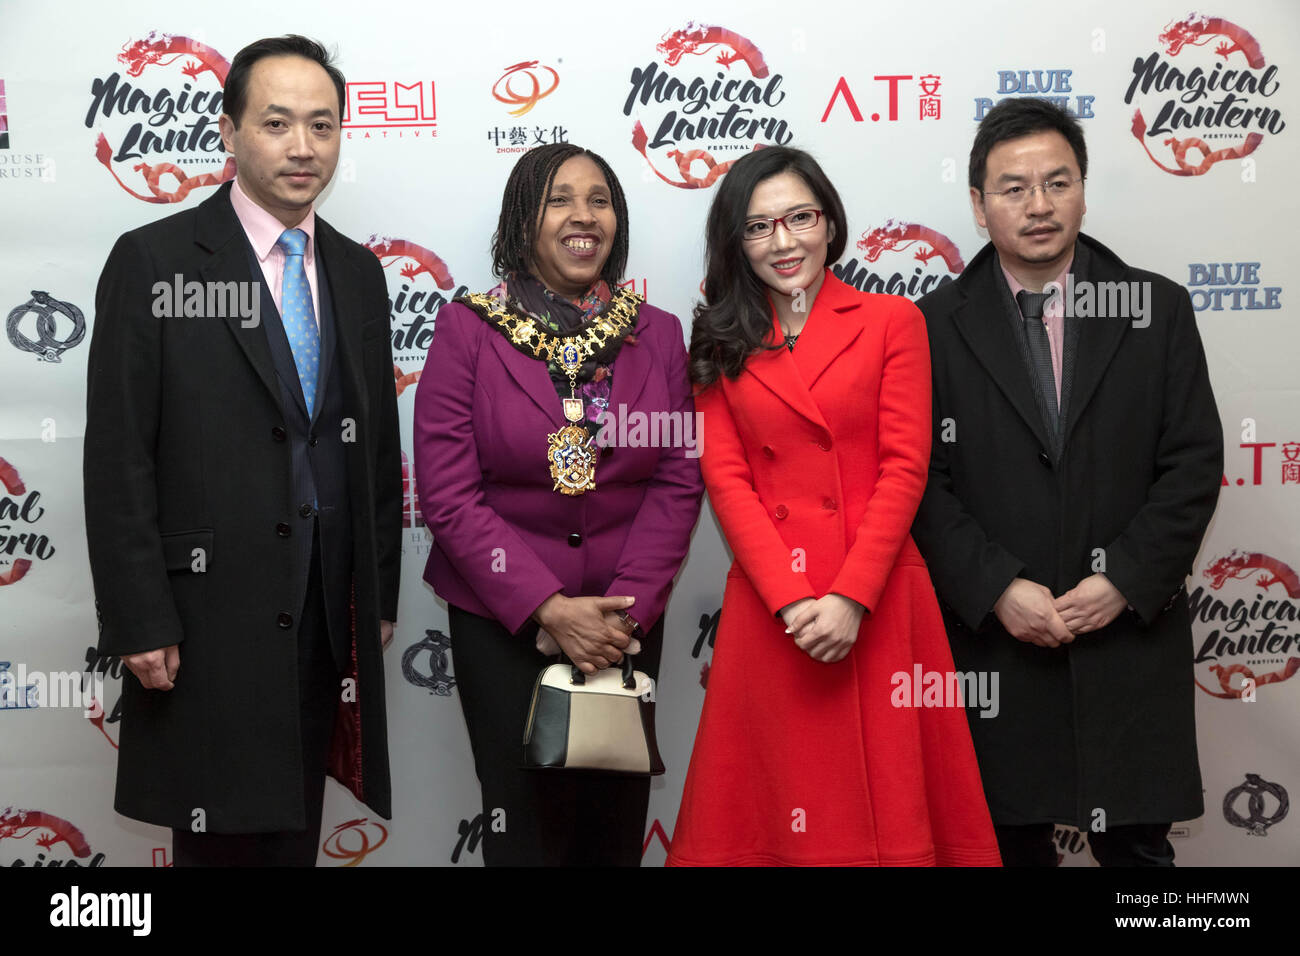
x: 573, y: 466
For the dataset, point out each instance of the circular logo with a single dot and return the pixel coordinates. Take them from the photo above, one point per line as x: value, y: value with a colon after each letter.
x: 46, y: 346
x: 1256, y: 822
x: 526, y: 74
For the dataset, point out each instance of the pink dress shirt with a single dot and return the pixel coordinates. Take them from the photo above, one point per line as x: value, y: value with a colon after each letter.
x: 1053, y: 318
x: 263, y: 231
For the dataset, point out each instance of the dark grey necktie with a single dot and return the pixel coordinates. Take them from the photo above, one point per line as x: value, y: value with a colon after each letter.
x: 1040, y: 349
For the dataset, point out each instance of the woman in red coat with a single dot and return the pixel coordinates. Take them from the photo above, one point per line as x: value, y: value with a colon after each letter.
x: 816, y: 420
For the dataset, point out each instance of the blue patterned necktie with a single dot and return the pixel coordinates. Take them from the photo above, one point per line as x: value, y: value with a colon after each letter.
x: 297, y: 314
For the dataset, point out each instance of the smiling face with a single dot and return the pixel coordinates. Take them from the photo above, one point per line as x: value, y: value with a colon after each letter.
x: 787, y: 261
x: 287, y: 143
x: 1034, y: 239
x: 575, y: 230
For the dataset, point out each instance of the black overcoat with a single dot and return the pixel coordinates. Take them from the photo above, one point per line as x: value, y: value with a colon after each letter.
x: 185, y: 448
x: 1105, y: 723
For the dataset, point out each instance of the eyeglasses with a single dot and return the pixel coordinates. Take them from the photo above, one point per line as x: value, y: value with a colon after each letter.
x: 793, y: 222
x: 1054, y: 188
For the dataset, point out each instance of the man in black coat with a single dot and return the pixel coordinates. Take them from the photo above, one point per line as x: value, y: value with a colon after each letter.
x: 243, y: 488
x: 1076, y: 463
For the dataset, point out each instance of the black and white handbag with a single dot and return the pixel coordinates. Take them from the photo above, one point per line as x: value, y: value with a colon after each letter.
x: 602, y: 721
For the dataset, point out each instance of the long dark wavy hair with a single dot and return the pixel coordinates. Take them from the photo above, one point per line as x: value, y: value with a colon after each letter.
x: 735, y: 319
x: 527, y: 191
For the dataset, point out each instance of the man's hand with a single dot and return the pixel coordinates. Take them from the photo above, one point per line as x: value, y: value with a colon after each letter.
x: 1027, y: 611
x: 155, y: 669
x: 827, y: 628
x: 580, y: 628
x: 385, y: 633
x: 1091, y: 604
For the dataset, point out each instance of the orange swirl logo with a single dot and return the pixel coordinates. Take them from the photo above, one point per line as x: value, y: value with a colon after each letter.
x: 503, y: 90
x: 350, y: 833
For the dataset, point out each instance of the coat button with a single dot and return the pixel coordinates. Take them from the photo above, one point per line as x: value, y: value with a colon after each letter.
x: 829, y: 504
x: 824, y: 444
x: 313, y: 441
x: 284, y: 619
x: 767, y: 452
x: 782, y: 511
x: 575, y: 540
x: 283, y: 530
x: 278, y: 433
x: 306, y: 510
x: 1044, y: 459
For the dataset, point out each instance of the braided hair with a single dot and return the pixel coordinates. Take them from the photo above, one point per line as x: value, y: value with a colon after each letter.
x: 527, y: 191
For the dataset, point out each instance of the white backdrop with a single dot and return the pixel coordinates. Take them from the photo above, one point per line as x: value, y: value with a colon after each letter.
x: 427, y: 147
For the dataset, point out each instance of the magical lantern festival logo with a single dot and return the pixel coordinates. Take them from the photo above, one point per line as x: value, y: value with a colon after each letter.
x: 1244, y: 622
x: 20, y: 513
x: 1203, y: 96
x: 158, y: 123
x: 37, y: 838
x: 713, y: 93
x: 415, y: 294
x: 921, y: 260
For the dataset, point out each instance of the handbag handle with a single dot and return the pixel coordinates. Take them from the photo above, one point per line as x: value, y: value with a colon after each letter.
x: 576, y: 676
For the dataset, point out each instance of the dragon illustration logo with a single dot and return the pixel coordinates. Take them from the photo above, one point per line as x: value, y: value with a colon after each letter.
x: 1267, y: 572
x: 1243, y: 564
x: 164, y: 49
x: 1256, y: 822
x: 503, y: 92
x: 895, y: 236
x: 351, y: 840
x: 438, y: 681
x: 698, y: 40
x: 48, y: 829
x: 1196, y: 30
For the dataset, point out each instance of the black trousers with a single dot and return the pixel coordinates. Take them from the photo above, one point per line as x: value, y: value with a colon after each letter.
x: 1135, y: 844
x: 550, y: 817
x: 319, y: 687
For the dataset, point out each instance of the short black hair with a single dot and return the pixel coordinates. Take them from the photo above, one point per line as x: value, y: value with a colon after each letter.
x: 1023, y: 116
x: 235, y: 93
x: 527, y: 191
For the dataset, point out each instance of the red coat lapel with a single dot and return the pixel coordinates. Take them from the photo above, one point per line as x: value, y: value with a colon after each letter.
x: 834, y: 324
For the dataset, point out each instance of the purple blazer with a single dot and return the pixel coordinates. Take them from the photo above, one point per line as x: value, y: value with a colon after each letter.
x: 503, y: 540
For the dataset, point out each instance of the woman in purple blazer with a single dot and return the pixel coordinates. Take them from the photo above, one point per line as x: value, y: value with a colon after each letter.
x: 560, y: 495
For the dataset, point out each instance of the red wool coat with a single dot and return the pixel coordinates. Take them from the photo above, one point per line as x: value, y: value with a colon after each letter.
x: 815, y: 461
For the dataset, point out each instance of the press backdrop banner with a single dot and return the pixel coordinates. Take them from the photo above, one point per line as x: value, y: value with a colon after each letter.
x: 108, y: 120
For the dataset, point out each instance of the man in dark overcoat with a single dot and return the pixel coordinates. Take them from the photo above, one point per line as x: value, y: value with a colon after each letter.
x: 1076, y: 463
x: 243, y: 488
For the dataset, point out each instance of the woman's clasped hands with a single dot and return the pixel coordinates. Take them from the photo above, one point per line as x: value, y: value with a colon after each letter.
x: 589, y: 630
x: 824, y: 628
